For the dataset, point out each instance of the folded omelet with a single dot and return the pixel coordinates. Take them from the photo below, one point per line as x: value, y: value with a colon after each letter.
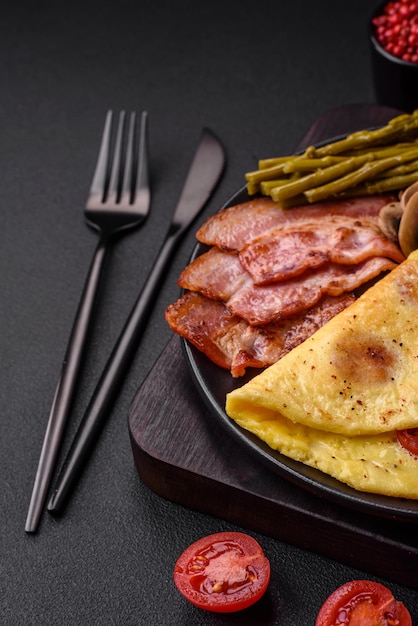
x: 336, y: 401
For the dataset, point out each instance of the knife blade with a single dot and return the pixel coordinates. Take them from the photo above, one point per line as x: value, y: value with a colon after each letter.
x: 204, y: 174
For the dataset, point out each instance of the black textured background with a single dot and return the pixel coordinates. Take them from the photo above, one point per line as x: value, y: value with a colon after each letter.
x: 256, y: 73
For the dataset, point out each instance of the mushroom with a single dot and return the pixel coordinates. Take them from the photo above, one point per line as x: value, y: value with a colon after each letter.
x: 406, y: 195
x: 389, y: 220
x: 399, y: 220
x: 408, y: 227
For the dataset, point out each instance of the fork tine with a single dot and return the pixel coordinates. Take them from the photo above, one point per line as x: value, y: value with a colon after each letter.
x: 98, y: 185
x: 142, y: 187
x: 112, y: 194
x: 127, y: 183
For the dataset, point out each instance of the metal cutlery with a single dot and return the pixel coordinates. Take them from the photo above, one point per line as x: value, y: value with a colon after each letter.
x: 119, y: 200
x: 205, y: 172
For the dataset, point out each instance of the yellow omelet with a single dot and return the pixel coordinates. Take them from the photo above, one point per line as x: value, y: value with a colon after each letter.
x: 358, y: 373
x: 335, y: 401
x: 371, y: 463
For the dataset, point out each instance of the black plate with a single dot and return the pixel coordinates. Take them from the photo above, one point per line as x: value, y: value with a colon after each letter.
x: 214, y: 383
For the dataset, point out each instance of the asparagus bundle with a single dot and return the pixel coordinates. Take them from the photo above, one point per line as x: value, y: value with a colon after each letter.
x: 362, y: 163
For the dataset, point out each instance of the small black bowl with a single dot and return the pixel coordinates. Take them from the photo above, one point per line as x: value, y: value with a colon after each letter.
x: 395, y: 80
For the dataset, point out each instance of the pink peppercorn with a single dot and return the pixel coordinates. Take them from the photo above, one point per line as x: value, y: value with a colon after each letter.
x: 396, y: 29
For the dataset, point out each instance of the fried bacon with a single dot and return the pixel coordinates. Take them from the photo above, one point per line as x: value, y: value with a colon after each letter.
x: 284, y: 254
x: 262, y: 304
x: 216, y: 274
x: 235, y: 227
x: 220, y: 276
x: 233, y: 344
x: 272, y: 277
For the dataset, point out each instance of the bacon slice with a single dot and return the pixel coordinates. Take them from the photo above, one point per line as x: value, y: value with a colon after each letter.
x: 235, y: 227
x: 287, y: 253
x: 261, y: 304
x: 231, y: 343
x: 220, y: 276
x: 232, y: 228
x: 216, y: 274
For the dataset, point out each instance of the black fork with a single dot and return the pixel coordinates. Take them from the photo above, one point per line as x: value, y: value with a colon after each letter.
x: 118, y: 201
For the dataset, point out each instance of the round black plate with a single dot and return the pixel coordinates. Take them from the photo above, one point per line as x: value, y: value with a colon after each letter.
x: 214, y: 383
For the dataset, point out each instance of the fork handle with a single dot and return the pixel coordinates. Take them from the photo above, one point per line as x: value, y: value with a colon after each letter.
x: 64, y: 392
x: 112, y: 377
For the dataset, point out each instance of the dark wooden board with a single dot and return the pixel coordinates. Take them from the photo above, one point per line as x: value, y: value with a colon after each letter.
x: 183, y: 454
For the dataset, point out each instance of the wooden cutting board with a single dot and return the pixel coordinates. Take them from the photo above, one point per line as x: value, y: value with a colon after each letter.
x: 184, y: 455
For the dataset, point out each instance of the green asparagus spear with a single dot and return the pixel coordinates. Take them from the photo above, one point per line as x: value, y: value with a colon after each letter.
x: 383, y: 185
x: 378, y: 159
x: 267, y: 185
x: 385, y: 151
x: 400, y: 127
x: 400, y: 170
x: 254, y: 178
x: 365, y: 172
x: 266, y: 163
x: 319, y: 177
x: 310, y: 164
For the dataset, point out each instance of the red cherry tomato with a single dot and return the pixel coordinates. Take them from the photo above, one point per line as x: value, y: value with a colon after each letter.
x: 224, y: 572
x: 409, y: 440
x: 363, y: 603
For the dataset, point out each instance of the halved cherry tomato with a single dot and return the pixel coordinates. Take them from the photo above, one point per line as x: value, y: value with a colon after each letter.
x: 409, y: 440
x: 224, y: 572
x: 363, y: 603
